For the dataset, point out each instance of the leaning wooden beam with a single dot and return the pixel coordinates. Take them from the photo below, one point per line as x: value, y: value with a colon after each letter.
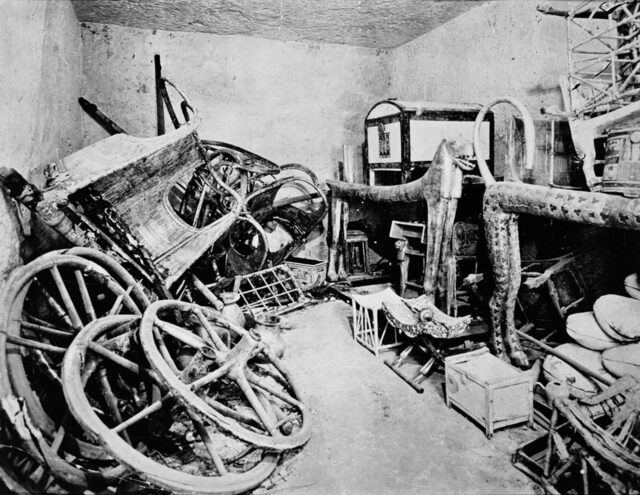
x: 567, y: 359
x: 159, y: 99
x: 102, y: 119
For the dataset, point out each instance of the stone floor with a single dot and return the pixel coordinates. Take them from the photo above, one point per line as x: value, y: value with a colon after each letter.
x: 373, y: 434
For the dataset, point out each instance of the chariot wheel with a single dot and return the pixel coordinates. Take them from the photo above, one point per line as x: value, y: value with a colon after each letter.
x: 21, y: 471
x: 116, y: 270
x: 225, y: 375
x: 141, y: 425
x: 45, y: 304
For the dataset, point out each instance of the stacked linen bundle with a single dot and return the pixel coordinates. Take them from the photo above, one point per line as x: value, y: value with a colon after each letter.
x: 607, y: 341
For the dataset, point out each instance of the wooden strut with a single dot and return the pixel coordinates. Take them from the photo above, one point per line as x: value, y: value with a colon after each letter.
x: 159, y: 98
x: 102, y: 119
x: 422, y: 373
x: 577, y: 365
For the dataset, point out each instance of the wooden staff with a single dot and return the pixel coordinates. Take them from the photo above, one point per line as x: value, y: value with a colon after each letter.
x: 580, y: 367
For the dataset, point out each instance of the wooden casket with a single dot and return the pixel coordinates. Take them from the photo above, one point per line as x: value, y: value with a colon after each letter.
x: 401, y: 137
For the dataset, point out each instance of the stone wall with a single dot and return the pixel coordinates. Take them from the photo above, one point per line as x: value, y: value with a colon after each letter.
x: 504, y: 48
x: 41, y: 60
x: 287, y: 101
x: 501, y: 48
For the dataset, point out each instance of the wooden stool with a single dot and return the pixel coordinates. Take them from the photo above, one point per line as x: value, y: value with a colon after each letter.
x: 357, y: 252
x: 430, y: 330
x: 371, y: 329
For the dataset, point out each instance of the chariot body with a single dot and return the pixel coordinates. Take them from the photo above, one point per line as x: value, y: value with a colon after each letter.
x: 170, y: 203
x: 114, y: 366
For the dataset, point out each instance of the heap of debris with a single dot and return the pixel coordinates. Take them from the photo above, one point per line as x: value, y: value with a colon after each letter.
x: 124, y: 365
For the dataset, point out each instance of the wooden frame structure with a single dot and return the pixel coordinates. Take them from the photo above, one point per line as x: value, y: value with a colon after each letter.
x: 603, y: 53
x: 370, y: 325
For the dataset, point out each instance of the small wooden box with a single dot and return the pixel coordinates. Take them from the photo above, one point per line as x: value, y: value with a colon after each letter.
x: 492, y: 392
x: 310, y: 273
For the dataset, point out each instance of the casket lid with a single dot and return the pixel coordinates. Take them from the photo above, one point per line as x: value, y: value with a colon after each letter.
x: 386, y: 108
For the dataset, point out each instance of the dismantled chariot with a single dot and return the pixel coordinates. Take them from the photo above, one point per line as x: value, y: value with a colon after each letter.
x: 120, y: 368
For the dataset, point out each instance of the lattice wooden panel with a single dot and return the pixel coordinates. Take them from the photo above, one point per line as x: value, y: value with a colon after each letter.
x: 604, y: 51
x: 274, y: 290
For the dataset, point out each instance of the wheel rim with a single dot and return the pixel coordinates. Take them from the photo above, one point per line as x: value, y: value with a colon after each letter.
x: 28, y: 284
x: 135, y: 422
x: 116, y: 270
x: 31, y: 352
x: 242, y: 388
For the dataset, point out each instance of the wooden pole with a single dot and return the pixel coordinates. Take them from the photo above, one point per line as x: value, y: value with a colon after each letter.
x: 579, y: 366
x: 350, y: 160
x: 159, y: 100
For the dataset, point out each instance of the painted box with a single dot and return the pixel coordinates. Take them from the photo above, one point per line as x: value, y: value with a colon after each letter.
x: 490, y: 391
x: 310, y: 273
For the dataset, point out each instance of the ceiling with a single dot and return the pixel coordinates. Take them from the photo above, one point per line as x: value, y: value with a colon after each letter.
x: 368, y: 23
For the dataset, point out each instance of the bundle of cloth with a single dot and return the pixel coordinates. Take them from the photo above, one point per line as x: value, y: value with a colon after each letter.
x: 606, y: 340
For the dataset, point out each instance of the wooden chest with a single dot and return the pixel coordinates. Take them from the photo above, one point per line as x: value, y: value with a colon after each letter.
x: 492, y: 392
x: 401, y: 137
x: 555, y: 164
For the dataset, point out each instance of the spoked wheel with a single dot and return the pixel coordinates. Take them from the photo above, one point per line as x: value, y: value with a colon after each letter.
x: 225, y: 375
x: 143, y: 426
x: 20, y: 471
x: 46, y: 303
x: 116, y: 270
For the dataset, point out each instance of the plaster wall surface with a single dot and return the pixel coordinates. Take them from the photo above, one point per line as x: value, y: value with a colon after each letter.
x: 504, y: 48
x: 498, y: 49
x: 290, y: 102
x: 287, y: 101
x: 41, y: 60
x: 300, y: 102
